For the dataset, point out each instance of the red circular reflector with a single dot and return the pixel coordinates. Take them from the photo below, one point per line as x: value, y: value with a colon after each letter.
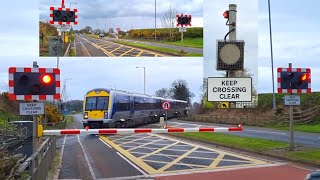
x: 226, y: 14
x: 46, y: 79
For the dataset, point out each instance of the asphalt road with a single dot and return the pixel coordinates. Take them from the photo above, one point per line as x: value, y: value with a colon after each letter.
x: 146, y: 156
x: 87, y: 157
x: 307, y: 139
x: 87, y: 46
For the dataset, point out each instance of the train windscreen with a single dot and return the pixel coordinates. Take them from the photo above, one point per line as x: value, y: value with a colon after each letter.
x: 97, y: 103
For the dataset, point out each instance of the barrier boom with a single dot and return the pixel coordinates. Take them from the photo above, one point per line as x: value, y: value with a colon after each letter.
x: 132, y: 131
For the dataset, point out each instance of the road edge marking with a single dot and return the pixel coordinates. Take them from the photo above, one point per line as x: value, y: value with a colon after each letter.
x: 132, y: 164
x: 128, y: 155
x: 60, y: 158
x: 87, y: 159
x: 105, y: 143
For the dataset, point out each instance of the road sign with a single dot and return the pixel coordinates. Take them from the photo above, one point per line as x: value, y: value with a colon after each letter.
x: 182, y: 29
x: 224, y: 105
x: 229, y: 89
x: 294, y: 80
x: 166, y: 105
x: 33, y: 108
x: 63, y: 28
x: 292, y: 100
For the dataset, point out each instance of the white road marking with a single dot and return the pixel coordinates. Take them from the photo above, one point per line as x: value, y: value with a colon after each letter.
x: 105, y: 143
x: 85, y: 48
x: 60, y: 158
x: 266, y: 132
x: 106, y: 54
x: 133, y: 165
x: 87, y: 160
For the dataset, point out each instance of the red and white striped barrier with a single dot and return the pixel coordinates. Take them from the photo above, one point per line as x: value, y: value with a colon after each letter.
x: 132, y: 131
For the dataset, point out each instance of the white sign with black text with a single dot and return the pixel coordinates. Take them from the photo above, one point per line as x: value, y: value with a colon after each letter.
x: 292, y: 100
x: 182, y: 29
x: 32, y: 108
x: 229, y: 89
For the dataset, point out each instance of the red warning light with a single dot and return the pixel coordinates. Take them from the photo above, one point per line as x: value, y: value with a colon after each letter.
x: 46, y: 79
x: 226, y: 14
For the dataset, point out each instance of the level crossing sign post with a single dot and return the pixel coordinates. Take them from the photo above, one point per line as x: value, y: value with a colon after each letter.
x: 293, y: 80
x: 166, y: 106
x: 183, y: 21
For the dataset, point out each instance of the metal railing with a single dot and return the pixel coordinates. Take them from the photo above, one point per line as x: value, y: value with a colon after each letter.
x: 40, y: 162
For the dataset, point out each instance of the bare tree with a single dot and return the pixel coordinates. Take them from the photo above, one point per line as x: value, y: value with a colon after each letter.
x: 169, y: 20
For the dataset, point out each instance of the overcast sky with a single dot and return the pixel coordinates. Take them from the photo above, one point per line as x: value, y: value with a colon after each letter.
x: 19, y: 48
x: 296, y: 39
x: 125, y: 14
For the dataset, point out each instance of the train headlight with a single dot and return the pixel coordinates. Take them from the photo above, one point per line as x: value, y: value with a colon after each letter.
x: 85, y: 115
x: 106, y: 115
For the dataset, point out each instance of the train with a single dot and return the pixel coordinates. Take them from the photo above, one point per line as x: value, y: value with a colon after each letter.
x: 108, y: 108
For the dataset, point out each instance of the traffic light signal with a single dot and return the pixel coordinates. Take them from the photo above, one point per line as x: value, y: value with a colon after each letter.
x: 34, y: 83
x: 184, y: 20
x: 63, y: 16
x: 226, y: 14
x: 294, y: 80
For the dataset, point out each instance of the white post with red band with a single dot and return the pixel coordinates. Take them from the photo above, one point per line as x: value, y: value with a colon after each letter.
x: 140, y: 130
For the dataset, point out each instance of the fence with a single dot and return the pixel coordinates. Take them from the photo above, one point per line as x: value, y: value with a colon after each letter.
x: 40, y: 162
x: 305, y: 116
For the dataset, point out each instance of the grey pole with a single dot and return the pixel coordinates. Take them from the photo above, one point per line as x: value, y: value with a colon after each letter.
x: 144, y: 79
x: 34, y: 119
x: 291, y: 147
x: 155, y: 19
x: 272, y: 70
x: 232, y: 36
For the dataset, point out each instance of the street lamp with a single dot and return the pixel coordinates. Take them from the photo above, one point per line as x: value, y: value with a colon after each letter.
x: 144, y: 78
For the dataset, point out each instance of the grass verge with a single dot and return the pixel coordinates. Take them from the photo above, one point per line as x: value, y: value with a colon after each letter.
x: 311, y: 128
x: 72, y: 53
x: 307, y: 155
x: 187, y: 42
x: 252, y: 144
x: 160, y: 49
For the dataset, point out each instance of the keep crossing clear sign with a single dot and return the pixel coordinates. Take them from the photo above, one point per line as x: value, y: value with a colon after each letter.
x: 229, y: 89
x: 32, y: 108
x: 292, y: 100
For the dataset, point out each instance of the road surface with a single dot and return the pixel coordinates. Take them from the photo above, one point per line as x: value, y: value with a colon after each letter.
x: 87, y: 46
x: 307, y: 139
x: 154, y: 156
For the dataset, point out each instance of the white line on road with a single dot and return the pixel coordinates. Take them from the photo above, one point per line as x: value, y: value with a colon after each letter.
x: 266, y: 132
x: 85, y: 48
x: 87, y: 159
x: 105, y: 143
x: 133, y: 165
x: 60, y: 158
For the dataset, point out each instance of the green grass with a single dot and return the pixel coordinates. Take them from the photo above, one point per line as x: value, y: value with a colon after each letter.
x: 311, y: 128
x: 159, y: 49
x: 307, y: 155
x: 69, y: 120
x: 253, y: 144
x: 187, y: 42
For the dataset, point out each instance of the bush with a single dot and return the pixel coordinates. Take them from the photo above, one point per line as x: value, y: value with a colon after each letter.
x: 164, y: 33
x: 52, y: 113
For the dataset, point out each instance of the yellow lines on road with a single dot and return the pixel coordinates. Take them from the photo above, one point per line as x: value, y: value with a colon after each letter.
x: 134, y: 159
x: 126, y: 52
x: 155, y: 152
x: 117, y: 48
x: 217, y: 160
x: 133, y: 140
x: 139, y: 55
x: 136, y: 147
x: 176, y: 160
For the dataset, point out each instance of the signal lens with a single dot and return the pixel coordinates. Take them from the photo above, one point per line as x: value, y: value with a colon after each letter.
x: 46, y: 79
x: 226, y: 14
x: 305, y: 77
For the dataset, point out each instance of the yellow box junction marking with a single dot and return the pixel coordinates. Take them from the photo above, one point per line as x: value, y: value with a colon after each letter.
x: 176, y: 159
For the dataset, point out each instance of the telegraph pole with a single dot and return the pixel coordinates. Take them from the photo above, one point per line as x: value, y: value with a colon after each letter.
x: 34, y: 119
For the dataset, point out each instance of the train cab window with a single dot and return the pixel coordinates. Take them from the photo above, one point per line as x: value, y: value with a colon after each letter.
x: 97, y: 103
